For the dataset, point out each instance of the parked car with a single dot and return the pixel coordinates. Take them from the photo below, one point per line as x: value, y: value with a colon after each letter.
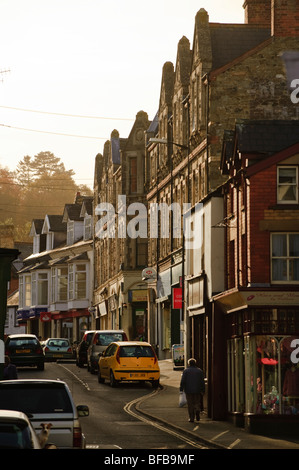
x: 46, y: 401
x: 25, y: 350
x: 16, y: 431
x: 81, y: 351
x: 129, y: 361
x: 58, y: 348
x: 99, y: 342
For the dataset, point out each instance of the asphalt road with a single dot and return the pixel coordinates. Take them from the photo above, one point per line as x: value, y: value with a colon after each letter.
x: 113, y: 422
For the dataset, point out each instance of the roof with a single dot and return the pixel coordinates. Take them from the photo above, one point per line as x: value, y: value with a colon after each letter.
x: 230, y: 41
x: 259, y: 139
x: 56, y: 224
x: 266, y: 137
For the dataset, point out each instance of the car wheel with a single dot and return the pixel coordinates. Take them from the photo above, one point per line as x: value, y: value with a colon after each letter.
x: 155, y: 383
x: 113, y: 382
x: 100, y: 378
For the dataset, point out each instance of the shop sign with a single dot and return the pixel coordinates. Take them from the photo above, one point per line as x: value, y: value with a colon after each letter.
x: 177, y: 297
x: 138, y: 295
x: 271, y: 298
x: 45, y: 316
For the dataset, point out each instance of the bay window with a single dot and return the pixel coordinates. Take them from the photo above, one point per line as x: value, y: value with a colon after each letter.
x: 77, y: 281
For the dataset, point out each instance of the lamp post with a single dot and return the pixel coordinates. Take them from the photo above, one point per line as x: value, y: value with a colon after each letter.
x: 7, y: 255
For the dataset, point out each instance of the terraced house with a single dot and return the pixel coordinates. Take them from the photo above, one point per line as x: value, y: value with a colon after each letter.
x: 56, y: 282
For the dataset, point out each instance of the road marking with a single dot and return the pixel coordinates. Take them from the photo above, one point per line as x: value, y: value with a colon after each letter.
x: 76, y: 377
x: 218, y: 435
x: 236, y: 442
x: 128, y: 409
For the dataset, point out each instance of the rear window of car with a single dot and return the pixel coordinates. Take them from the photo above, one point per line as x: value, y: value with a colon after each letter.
x: 17, y: 342
x: 35, y: 399
x: 104, y: 339
x: 15, y: 436
x: 58, y: 343
x: 136, y: 351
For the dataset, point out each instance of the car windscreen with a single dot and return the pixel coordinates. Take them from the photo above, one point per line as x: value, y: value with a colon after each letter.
x: 136, y: 351
x: 104, y: 339
x: 35, y: 398
x: 15, y: 436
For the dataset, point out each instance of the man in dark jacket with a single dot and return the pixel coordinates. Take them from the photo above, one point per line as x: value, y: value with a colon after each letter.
x: 10, y: 370
x: 192, y: 383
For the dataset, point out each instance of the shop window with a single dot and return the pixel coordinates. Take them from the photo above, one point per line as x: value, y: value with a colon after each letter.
x: 285, y: 257
x: 287, y: 184
x: 272, y: 375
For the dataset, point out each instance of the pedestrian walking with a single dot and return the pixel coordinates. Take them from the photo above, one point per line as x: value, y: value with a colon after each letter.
x: 10, y: 370
x: 192, y: 383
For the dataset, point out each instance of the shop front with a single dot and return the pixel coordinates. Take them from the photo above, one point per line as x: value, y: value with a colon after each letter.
x: 263, y: 362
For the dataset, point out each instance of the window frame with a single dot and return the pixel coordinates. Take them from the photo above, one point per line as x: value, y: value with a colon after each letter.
x: 278, y: 185
x: 287, y: 258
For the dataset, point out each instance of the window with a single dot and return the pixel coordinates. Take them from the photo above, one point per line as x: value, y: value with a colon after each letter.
x: 87, y: 228
x: 40, y: 289
x: 285, y: 257
x: 27, y: 291
x: 77, y: 281
x: 59, y: 284
x: 287, y: 184
x: 272, y: 385
x: 70, y: 232
x: 133, y: 175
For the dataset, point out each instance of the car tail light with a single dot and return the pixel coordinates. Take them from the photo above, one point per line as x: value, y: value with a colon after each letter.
x: 47, y: 349
x: 77, y: 437
x: 155, y: 356
x: 69, y: 350
x: 117, y: 355
x: 39, y: 351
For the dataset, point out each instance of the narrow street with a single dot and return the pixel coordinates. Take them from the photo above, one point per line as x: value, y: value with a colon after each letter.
x: 113, y: 422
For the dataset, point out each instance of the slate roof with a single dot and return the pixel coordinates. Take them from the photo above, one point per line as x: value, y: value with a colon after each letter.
x: 230, y: 41
x: 267, y: 137
x: 56, y: 224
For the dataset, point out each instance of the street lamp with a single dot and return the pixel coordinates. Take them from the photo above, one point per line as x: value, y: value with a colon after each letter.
x: 154, y: 140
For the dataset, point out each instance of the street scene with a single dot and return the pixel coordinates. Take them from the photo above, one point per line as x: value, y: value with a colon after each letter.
x: 154, y: 306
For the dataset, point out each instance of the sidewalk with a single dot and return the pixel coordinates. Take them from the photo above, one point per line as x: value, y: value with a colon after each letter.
x: 163, y: 406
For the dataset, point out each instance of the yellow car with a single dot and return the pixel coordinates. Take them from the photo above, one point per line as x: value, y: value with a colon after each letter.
x: 129, y: 361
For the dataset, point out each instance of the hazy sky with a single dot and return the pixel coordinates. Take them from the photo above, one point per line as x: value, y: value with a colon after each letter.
x: 69, y: 59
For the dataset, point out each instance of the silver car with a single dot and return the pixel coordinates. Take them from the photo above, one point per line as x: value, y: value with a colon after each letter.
x: 58, y: 348
x: 16, y: 431
x: 99, y: 342
x: 47, y: 401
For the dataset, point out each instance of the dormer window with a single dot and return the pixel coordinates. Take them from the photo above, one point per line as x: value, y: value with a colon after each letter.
x: 287, y: 185
x: 87, y: 228
x: 70, y: 232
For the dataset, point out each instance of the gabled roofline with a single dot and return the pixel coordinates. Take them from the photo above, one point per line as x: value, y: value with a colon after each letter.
x: 273, y: 159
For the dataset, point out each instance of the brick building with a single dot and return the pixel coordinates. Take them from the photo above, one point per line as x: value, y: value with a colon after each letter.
x: 260, y: 303
x: 235, y: 72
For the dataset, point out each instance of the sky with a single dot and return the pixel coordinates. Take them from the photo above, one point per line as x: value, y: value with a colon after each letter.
x: 72, y: 71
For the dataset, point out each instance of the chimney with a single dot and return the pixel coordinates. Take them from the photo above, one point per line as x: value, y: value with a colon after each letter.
x: 285, y: 18
x: 258, y: 12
